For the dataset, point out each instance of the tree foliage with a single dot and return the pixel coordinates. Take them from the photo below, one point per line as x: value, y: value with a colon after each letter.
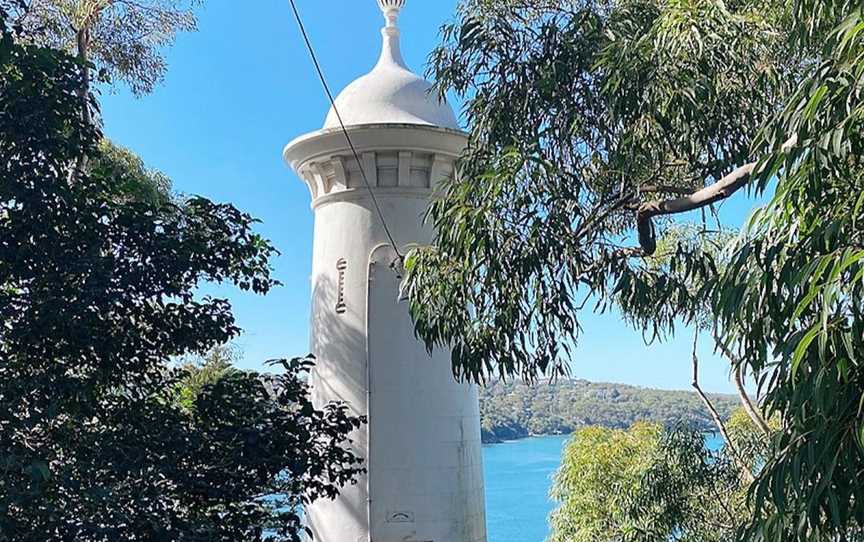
x: 600, y: 469
x: 98, y: 293
x: 792, y: 296
x: 579, y: 111
x: 652, y: 485
x: 202, y: 371
x: 124, y: 38
x: 132, y: 179
x: 591, y: 120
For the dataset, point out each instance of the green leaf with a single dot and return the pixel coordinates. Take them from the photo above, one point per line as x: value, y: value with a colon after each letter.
x: 813, y: 104
x: 40, y: 471
x: 803, y: 346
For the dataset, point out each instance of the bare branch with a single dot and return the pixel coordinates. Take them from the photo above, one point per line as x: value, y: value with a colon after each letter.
x: 82, y: 40
x: 715, y: 415
x: 748, y: 403
x: 666, y: 189
x: 720, y: 190
x: 620, y: 254
x: 738, y: 370
x: 711, y: 194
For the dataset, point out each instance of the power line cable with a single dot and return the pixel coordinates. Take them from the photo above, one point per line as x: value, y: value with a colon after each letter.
x: 344, y: 129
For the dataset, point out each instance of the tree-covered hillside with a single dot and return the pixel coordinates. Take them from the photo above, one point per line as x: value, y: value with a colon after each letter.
x: 516, y: 410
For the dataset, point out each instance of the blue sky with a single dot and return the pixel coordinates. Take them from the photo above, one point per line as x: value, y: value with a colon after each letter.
x: 242, y: 87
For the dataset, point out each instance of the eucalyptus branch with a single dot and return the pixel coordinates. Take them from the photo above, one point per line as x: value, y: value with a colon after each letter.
x: 82, y: 41
x: 668, y: 189
x: 722, y: 189
x: 715, y: 415
x: 738, y: 369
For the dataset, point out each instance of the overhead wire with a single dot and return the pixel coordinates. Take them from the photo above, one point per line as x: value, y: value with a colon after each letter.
x: 345, y: 132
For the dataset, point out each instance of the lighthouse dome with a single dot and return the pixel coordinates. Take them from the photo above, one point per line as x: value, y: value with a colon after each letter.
x: 391, y: 93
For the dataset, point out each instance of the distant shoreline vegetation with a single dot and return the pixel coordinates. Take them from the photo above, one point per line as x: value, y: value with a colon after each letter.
x: 515, y: 410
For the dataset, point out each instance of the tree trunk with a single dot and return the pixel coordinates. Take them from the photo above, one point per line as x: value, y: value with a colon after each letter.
x: 82, y: 39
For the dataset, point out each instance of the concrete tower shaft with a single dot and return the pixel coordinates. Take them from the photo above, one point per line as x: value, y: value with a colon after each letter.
x: 422, y: 442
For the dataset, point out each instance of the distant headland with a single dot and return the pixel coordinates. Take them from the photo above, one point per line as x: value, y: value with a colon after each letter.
x: 515, y: 410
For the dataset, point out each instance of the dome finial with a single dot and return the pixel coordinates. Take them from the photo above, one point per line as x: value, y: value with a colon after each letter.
x: 391, y: 9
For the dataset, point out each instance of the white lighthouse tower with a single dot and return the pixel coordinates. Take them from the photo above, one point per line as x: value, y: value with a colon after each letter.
x: 422, y: 442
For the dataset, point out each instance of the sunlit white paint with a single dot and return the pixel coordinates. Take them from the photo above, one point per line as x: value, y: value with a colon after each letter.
x: 422, y: 442
x: 391, y: 93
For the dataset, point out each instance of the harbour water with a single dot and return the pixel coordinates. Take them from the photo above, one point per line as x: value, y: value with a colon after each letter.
x: 518, y: 476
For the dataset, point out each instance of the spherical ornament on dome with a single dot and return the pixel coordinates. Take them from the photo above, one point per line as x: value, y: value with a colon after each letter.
x: 391, y: 10
x: 391, y: 4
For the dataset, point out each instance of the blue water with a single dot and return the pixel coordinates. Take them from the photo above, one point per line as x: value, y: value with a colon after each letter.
x: 518, y: 476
